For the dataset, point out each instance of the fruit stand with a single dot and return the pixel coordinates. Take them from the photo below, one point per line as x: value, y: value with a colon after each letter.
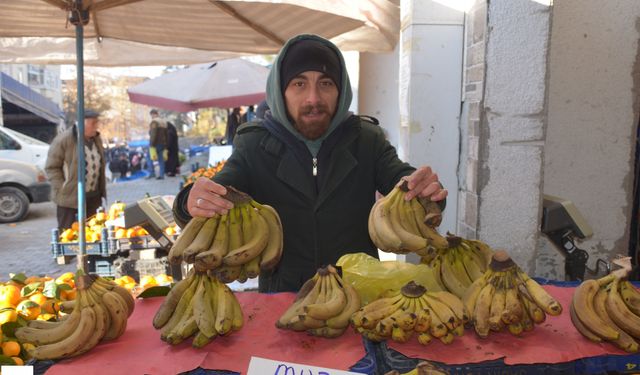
x: 552, y: 348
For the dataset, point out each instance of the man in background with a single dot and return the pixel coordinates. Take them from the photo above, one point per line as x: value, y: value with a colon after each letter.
x: 158, y: 140
x: 233, y: 121
x: 62, y: 170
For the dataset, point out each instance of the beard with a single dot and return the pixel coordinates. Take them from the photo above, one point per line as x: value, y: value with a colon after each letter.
x: 313, y: 128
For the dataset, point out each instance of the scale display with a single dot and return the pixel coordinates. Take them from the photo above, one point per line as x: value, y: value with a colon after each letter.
x: 154, y: 215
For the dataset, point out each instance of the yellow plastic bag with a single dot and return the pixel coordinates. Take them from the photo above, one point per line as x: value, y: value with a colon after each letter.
x: 153, y: 153
x: 370, y: 277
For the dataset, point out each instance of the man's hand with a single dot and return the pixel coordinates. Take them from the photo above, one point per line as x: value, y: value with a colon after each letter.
x: 424, y: 182
x: 205, y: 199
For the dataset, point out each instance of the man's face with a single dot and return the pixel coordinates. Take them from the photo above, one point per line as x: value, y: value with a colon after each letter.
x: 311, y: 99
x: 90, y: 127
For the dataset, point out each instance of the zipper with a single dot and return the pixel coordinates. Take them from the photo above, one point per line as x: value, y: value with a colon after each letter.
x: 315, y: 166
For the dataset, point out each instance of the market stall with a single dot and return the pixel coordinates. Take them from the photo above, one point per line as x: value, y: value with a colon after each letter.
x: 553, y: 347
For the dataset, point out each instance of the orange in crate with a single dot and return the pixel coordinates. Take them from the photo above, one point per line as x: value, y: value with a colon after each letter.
x: 9, y: 295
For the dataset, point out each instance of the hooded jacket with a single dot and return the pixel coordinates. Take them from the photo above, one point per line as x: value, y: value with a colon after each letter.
x: 323, y: 190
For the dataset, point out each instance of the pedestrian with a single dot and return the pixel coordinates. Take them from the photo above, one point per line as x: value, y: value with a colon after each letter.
x: 173, y: 163
x: 316, y: 163
x: 158, y: 140
x: 123, y: 166
x: 62, y: 170
x: 233, y: 121
x: 263, y: 107
x: 249, y: 115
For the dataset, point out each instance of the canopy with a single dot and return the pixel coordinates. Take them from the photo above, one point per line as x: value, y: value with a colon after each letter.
x: 146, y: 32
x: 223, y: 84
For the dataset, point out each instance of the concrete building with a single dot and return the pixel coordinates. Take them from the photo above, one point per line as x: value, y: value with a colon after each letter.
x: 513, y: 99
x: 31, y: 99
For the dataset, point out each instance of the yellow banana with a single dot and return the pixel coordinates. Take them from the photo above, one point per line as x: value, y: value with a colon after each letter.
x: 525, y: 319
x: 583, y: 305
x: 540, y: 296
x: 208, y: 327
x: 482, y: 310
x: 447, y: 339
x: 170, y: 302
x: 481, y: 248
x: 341, y: 320
x: 424, y: 338
x: 252, y: 268
x: 400, y: 335
x: 586, y: 332
x: 443, y: 312
x: 429, y: 233
x: 372, y: 228
x: 513, y: 309
x: 203, y: 309
x: 103, y: 321
x: 452, y: 278
x: 117, y: 310
x: 625, y: 341
x: 436, y: 270
x: 307, y: 294
x: 382, y: 223
x: 453, y: 302
x: 200, y: 340
x: 423, y: 318
x: 534, y: 311
x: 471, y: 294
x: 237, y: 321
x: 477, y: 257
x: 371, y: 318
x: 228, y: 274
x: 255, y: 237
x: 631, y: 296
x: 224, y: 312
x: 212, y: 258
x: 309, y: 322
x: 106, y: 285
x: 181, y: 308
x: 497, y: 308
x: 619, y: 312
x: 203, y: 240
x: 400, y: 224
x: 70, y: 344
x: 273, y: 250
x: 515, y: 328
x: 335, y: 302
x: 43, y: 336
x: 188, y: 234
x: 470, y: 263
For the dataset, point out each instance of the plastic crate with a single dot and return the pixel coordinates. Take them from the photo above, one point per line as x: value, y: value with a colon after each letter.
x: 63, y: 250
x: 141, y: 267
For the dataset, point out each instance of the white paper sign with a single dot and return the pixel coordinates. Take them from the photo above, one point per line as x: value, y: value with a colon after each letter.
x: 262, y: 366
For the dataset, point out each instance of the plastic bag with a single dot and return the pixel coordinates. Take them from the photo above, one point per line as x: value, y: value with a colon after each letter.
x: 370, y: 277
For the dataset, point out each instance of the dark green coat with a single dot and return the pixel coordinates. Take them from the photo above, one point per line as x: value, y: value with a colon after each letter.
x: 320, y: 224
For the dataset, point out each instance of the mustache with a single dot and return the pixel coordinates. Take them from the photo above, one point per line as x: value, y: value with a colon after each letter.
x: 311, y: 108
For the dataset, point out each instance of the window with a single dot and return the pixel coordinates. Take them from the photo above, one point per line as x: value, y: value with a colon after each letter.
x: 8, y: 143
x: 35, y: 76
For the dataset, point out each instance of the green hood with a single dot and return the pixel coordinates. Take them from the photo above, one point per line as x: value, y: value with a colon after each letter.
x: 275, y: 96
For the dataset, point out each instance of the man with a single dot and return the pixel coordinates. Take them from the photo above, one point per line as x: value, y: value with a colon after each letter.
x: 173, y: 161
x: 233, y: 121
x: 62, y: 170
x: 158, y: 140
x: 312, y: 160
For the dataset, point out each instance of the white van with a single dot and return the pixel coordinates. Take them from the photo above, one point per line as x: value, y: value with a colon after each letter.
x: 20, y: 147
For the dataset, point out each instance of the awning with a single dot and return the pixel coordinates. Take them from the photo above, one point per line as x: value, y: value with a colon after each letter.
x: 24, y: 97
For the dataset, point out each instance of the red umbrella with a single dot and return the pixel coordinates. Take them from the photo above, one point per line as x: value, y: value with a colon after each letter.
x: 222, y: 84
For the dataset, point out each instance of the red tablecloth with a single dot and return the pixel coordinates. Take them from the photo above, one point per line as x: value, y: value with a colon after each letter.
x: 140, y: 350
x: 554, y: 341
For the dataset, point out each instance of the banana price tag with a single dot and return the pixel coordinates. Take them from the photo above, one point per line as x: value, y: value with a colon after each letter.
x: 263, y: 366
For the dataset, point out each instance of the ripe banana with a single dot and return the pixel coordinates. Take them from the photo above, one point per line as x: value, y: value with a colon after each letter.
x: 631, y: 296
x: 625, y: 341
x: 186, y: 237
x: 584, y: 309
x: 399, y: 220
x: 482, y: 310
x: 43, y: 336
x: 341, y: 320
x: 224, y: 313
x: 586, y: 332
x: 255, y: 237
x: 334, y: 304
x: 382, y: 224
x: 71, y: 343
x: 202, y: 241
x: 620, y: 312
x: 117, y: 310
x: 273, y: 250
x: 170, y: 302
x: 540, y: 296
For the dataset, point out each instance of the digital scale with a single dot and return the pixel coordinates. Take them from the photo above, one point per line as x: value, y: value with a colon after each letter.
x: 153, y: 214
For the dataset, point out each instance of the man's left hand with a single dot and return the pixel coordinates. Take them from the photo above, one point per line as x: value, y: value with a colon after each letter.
x: 424, y: 182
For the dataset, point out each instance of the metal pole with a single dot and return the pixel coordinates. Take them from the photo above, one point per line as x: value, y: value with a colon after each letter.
x: 81, y: 162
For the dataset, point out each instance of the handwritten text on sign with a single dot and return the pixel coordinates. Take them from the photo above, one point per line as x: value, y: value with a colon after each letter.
x: 262, y: 366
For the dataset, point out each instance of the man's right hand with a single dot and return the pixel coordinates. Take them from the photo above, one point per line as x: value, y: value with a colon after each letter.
x: 205, y: 199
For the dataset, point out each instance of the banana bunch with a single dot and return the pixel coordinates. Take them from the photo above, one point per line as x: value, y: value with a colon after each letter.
x: 100, y: 313
x: 237, y: 245
x: 506, y: 296
x: 398, y: 314
x: 400, y: 226
x: 608, y: 309
x: 460, y: 264
x: 198, y: 305
x: 323, y: 306
x: 422, y: 368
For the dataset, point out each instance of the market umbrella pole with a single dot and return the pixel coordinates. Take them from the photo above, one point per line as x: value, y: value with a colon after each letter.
x: 79, y: 18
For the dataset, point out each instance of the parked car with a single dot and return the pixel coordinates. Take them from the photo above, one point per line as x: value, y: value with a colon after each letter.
x: 20, y: 184
x: 17, y: 146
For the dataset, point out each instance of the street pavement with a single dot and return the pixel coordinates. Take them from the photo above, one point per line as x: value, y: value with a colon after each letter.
x: 26, y: 246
